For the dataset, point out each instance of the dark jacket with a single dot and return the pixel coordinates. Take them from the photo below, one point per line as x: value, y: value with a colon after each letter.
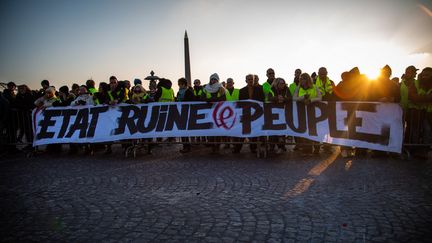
x: 285, y: 93
x: 188, y: 96
x: 25, y: 101
x: 258, y: 93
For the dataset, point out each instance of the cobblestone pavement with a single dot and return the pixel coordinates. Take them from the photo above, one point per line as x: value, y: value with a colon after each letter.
x: 221, y: 197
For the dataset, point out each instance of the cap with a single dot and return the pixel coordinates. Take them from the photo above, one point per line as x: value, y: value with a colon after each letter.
x: 411, y: 68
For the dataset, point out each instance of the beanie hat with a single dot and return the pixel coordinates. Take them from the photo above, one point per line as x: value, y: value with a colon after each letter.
x: 137, y: 81
x: 214, y: 76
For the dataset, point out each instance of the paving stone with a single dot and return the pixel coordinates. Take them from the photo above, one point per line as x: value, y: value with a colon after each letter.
x: 214, y: 198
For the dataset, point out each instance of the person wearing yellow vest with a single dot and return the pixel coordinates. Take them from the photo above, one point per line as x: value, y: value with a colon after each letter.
x: 408, y: 79
x: 410, y: 113
x: 308, y: 93
x: 197, y: 89
x: 139, y: 95
x: 324, y: 84
x: 164, y: 92
x: 422, y: 97
x: 213, y: 92
x: 91, y: 86
x: 231, y: 93
x: 103, y: 96
x: 294, y: 84
x: 267, y: 85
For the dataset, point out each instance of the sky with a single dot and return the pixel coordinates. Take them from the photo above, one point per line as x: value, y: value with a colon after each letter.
x: 71, y: 41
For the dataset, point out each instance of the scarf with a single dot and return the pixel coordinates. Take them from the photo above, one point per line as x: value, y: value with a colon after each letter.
x: 212, y: 88
x: 181, y: 94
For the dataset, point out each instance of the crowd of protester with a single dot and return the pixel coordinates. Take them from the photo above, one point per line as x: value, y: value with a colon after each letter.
x: 413, y: 91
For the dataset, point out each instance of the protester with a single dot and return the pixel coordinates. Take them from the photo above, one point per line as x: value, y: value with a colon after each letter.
x: 164, y: 92
x: 308, y: 93
x: 24, y: 103
x: 184, y: 94
x: 249, y: 92
x: 45, y: 85
x: 48, y: 99
x: 256, y: 80
x: 65, y: 97
x: 324, y: 84
x: 10, y: 93
x: 103, y: 96
x: 197, y: 89
x: 295, y: 82
x: 119, y: 92
x: 84, y: 98
x: 231, y: 93
x: 91, y: 86
x: 281, y: 95
x: 139, y: 95
x: 213, y: 92
x: 267, y: 85
x: 75, y: 89
x: 383, y: 89
x: 152, y: 90
x: 422, y: 96
x: 411, y: 113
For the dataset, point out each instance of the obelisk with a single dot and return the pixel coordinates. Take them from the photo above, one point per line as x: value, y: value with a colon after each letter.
x: 187, y: 60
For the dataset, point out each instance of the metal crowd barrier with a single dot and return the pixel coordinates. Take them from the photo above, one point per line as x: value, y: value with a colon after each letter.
x: 16, y: 134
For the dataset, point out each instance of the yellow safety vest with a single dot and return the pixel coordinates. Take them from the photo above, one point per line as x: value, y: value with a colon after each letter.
x: 405, y: 102
x: 312, y: 92
x: 324, y: 88
x: 167, y: 95
x: 427, y: 107
x: 232, y: 97
x: 267, y: 90
x: 292, y: 88
x: 208, y: 95
x: 198, y: 93
x: 92, y: 90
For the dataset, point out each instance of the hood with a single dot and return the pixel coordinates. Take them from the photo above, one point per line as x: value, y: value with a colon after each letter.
x: 166, y: 83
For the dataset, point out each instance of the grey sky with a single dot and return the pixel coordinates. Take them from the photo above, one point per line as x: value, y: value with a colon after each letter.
x: 71, y: 41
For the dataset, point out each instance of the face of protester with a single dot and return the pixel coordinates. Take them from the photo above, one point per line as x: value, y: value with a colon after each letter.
x: 270, y: 74
x: 281, y: 85
x: 181, y: 85
x: 21, y: 90
x: 213, y: 81
x: 197, y: 83
x: 426, y: 76
x: 82, y: 90
x: 230, y: 84
x: 256, y: 80
x: 250, y: 80
x: 127, y: 84
x: 305, y: 83
x: 137, y: 90
x: 11, y: 87
x: 410, y: 73
x: 322, y: 73
x: 297, y: 73
x: 113, y: 83
x: 49, y: 94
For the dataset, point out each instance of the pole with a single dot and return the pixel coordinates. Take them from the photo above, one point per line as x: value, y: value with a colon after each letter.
x: 187, y: 60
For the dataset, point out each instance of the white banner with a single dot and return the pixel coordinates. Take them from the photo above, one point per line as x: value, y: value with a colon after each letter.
x: 361, y: 124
